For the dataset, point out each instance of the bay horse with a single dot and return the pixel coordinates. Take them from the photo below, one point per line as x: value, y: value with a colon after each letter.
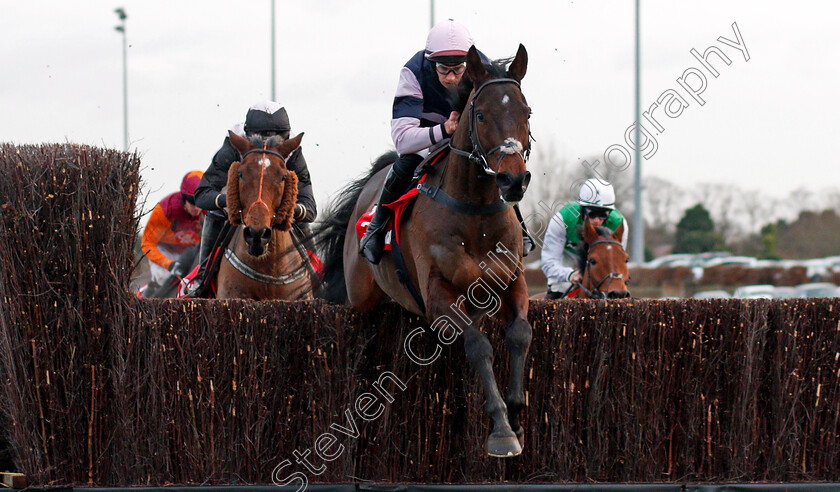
x: 603, y: 263
x: 462, y: 235
x: 263, y: 261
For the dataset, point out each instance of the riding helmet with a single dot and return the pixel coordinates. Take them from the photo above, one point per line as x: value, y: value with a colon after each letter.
x: 189, y: 184
x: 266, y: 116
x: 597, y: 193
x: 448, y: 42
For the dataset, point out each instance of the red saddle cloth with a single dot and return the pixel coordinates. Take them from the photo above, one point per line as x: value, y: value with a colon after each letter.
x: 398, y: 206
x: 187, y: 280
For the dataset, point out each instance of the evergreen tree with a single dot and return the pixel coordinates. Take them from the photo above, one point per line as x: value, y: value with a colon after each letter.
x: 770, y: 241
x: 696, y: 232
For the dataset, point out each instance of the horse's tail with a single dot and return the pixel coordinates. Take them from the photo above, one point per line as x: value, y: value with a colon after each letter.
x: 331, y: 231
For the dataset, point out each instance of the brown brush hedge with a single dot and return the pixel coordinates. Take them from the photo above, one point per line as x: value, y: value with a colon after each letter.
x: 105, y: 389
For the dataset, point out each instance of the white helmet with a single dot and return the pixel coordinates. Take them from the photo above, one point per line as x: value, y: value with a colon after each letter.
x: 597, y: 193
x: 448, y: 42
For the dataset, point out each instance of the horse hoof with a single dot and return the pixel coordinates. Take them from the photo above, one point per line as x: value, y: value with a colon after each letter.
x: 520, y: 436
x: 503, y: 447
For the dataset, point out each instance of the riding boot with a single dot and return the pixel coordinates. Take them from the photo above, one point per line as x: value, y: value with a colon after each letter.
x: 527, y: 241
x: 373, y: 242
x: 209, y: 236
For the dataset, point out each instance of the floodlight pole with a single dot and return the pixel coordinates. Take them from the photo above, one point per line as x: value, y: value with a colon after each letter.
x: 121, y: 28
x: 431, y: 14
x: 638, y: 220
x: 273, y: 56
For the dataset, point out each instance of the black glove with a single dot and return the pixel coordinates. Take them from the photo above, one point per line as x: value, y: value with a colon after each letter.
x: 221, y: 201
x: 178, y: 269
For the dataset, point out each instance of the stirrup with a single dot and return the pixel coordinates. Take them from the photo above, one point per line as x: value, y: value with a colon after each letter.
x: 372, y: 244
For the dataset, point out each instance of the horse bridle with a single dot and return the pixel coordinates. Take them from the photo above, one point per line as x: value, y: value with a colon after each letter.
x: 478, y: 156
x: 263, y: 150
x: 596, y: 292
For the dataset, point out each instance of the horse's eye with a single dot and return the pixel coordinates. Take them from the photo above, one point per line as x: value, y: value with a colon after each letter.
x: 592, y: 261
x: 241, y: 176
x: 529, y: 113
x: 479, y: 116
x: 626, y: 260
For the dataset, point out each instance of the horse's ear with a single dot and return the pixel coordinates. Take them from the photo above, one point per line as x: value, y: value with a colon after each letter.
x: 476, y: 70
x: 286, y: 148
x: 619, y: 232
x: 590, y: 235
x: 519, y: 65
x: 239, y: 143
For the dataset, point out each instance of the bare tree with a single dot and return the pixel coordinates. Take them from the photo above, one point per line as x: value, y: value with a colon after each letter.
x: 664, y: 203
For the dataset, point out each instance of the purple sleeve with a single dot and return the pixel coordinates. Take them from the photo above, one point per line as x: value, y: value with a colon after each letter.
x: 409, y: 137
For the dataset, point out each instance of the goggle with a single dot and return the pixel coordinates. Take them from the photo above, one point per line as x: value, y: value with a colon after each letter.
x: 597, y: 213
x: 445, y: 70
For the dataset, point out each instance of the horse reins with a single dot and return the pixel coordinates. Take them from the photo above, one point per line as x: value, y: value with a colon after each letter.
x: 596, y: 291
x: 478, y: 156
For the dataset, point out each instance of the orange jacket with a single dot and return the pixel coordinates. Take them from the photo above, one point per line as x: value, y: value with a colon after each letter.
x: 172, y: 226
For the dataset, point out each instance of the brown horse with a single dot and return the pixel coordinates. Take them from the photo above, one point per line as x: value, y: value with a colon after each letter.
x: 460, y: 236
x: 603, y: 262
x: 262, y: 260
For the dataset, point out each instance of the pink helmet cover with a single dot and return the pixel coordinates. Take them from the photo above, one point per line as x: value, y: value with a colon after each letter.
x: 448, y: 38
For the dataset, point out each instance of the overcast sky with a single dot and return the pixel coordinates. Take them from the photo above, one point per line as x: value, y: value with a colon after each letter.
x: 195, y: 67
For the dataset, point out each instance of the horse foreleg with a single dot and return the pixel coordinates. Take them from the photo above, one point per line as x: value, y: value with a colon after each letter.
x: 518, y: 335
x: 440, y: 296
x: 502, y: 442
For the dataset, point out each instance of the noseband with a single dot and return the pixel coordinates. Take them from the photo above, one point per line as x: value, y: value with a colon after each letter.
x: 596, y: 292
x: 478, y: 156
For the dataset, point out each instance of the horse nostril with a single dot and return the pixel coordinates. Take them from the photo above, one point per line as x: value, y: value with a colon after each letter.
x: 526, y: 180
x: 248, y: 233
x: 504, y: 180
x: 265, y: 233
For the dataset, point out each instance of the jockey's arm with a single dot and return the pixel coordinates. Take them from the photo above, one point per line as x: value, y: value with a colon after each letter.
x: 409, y: 137
x: 155, y: 230
x: 554, y: 245
x: 208, y: 195
x: 306, y: 196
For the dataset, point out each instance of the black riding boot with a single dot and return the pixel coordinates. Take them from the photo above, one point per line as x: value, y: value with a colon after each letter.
x: 373, y: 242
x: 209, y: 236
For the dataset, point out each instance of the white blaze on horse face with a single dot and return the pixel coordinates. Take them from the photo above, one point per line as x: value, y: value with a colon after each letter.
x: 265, y: 162
x: 512, y: 146
x: 505, y: 99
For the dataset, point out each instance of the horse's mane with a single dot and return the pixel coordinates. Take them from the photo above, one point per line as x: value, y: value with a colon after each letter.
x: 330, y: 232
x: 496, y: 69
x: 583, y: 248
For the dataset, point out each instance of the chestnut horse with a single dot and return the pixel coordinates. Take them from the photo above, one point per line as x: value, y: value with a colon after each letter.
x: 463, y: 236
x: 603, y: 263
x: 262, y: 261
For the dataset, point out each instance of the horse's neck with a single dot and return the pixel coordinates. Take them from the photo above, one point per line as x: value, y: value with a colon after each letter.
x: 467, y: 182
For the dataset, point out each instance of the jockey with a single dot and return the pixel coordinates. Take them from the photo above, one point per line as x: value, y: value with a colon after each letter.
x: 422, y: 117
x: 173, y: 226
x: 264, y: 119
x: 559, y: 253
